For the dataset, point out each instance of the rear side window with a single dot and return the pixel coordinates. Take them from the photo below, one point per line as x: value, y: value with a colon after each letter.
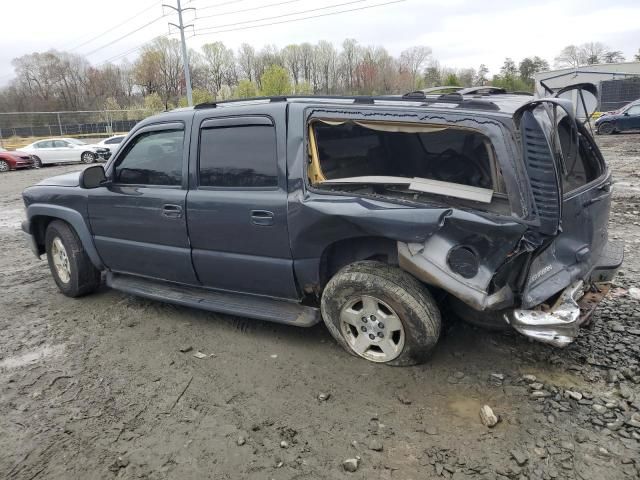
x: 355, y: 149
x: 582, y: 167
x: 238, y: 156
x: 152, y: 158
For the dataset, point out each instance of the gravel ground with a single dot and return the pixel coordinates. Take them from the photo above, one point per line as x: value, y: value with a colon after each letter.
x: 110, y: 385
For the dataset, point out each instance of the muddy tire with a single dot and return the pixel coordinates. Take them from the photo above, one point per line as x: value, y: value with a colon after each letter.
x: 70, y: 266
x: 605, y: 128
x: 381, y: 313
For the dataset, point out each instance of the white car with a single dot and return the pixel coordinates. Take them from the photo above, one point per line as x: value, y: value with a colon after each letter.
x: 111, y: 144
x: 63, y: 150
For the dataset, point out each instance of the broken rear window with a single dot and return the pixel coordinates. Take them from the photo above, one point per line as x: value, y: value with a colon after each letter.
x: 436, y: 159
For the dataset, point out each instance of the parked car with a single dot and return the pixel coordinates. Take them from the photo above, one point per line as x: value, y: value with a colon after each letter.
x: 623, y: 120
x: 110, y: 144
x: 367, y: 212
x: 14, y: 160
x: 63, y: 150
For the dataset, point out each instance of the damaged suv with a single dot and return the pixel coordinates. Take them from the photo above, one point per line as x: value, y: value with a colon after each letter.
x: 368, y: 212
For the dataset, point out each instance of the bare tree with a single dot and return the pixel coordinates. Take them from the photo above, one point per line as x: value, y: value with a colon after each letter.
x: 246, y: 61
x: 570, y: 56
x: 413, y: 59
x: 219, y: 65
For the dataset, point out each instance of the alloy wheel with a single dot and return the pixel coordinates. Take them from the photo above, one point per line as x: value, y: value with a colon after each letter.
x: 60, y: 260
x: 372, y: 329
x: 4, y: 166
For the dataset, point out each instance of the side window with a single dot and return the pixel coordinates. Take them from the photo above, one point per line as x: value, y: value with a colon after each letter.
x: 114, y: 140
x: 238, y: 156
x: 635, y: 110
x: 152, y: 158
x: 60, y: 144
x: 44, y: 144
x: 581, y: 168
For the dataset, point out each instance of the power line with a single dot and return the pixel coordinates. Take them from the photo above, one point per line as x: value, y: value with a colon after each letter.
x: 244, y: 22
x: 124, y: 36
x: 209, y: 7
x: 247, y: 9
x: 293, y: 19
x: 115, y: 27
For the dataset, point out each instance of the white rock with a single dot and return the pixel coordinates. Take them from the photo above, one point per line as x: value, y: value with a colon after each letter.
x: 487, y: 416
x: 351, y: 464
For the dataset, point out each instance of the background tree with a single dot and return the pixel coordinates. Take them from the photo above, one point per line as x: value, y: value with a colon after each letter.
x: 614, y: 56
x: 413, y: 60
x: 481, y: 78
x: 245, y: 89
x: 275, y: 81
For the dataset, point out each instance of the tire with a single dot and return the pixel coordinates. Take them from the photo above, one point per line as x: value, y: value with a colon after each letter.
x: 372, y: 298
x: 606, y: 128
x: 88, y: 157
x: 4, y: 166
x: 37, y: 163
x: 78, y: 276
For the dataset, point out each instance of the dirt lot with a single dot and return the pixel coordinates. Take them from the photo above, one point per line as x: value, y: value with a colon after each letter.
x: 98, y: 387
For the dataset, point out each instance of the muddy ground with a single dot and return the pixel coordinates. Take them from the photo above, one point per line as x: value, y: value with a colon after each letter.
x: 98, y: 387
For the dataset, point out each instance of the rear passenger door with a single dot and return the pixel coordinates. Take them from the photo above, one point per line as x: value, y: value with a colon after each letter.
x: 237, y: 206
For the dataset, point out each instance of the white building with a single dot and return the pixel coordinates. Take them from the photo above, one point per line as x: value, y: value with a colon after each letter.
x: 617, y: 83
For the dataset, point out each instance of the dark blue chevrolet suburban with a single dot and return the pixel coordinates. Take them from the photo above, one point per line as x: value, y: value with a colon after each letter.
x: 367, y: 212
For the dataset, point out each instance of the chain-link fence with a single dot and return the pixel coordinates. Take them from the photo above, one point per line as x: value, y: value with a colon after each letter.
x: 21, y: 128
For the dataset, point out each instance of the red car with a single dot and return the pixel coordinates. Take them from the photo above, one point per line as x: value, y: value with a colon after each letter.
x: 14, y: 160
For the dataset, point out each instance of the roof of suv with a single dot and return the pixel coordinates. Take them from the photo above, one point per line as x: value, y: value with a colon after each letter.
x: 501, y: 102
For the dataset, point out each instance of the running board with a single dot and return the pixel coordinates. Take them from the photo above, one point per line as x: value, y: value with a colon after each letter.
x: 261, y: 308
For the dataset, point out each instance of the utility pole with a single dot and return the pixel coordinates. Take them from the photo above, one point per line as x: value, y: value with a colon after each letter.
x: 185, y: 57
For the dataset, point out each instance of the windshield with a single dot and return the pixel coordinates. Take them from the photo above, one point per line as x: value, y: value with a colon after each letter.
x: 75, y: 142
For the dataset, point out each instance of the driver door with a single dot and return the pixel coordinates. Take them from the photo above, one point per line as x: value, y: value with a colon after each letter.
x: 138, y: 219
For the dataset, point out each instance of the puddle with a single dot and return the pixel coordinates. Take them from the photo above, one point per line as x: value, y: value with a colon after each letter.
x: 32, y: 357
x: 465, y: 408
x: 11, y: 218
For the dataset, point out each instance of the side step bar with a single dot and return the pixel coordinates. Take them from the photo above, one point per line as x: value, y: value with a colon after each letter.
x: 261, y: 308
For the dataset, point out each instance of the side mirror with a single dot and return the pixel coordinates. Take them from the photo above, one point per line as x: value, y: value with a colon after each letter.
x: 626, y: 114
x: 93, y: 177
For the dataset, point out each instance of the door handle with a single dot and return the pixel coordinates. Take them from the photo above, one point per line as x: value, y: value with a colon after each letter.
x: 262, y: 217
x: 172, y: 211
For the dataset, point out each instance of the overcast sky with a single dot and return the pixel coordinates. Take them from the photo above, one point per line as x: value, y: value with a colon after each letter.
x: 462, y: 33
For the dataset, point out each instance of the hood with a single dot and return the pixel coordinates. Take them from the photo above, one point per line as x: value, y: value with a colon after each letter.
x: 16, y: 154
x: 67, y: 180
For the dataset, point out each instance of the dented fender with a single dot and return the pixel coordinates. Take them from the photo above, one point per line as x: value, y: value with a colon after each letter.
x: 491, y: 241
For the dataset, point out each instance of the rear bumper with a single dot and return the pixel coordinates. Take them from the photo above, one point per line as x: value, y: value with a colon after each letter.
x: 560, y: 324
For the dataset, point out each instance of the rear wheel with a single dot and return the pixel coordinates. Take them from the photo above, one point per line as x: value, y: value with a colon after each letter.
x: 605, y: 128
x: 4, y: 166
x: 381, y: 313
x: 88, y: 157
x: 70, y: 266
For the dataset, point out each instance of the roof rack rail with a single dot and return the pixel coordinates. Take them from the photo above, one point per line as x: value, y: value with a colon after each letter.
x: 454, y: 98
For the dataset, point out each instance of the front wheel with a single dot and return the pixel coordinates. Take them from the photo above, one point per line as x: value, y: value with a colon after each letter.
x: 4, y: 166
x: 605, y: 128
x: 381, y: 313
x: 88, y: 157
x: 70, y: 266
x: 37, y: 163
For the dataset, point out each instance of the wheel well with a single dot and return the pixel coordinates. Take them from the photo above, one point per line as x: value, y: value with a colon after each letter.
x: 39, y: 224
x: 347, y: 251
